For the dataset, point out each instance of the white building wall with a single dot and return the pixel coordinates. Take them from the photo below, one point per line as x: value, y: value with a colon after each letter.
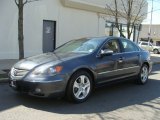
x: 74, y: 24
x: 34, y: 14
x: 8, y: 29
x: 75, y: 19
x: 71, y: 24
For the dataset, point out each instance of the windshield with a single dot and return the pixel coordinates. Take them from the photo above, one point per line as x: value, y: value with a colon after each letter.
x: 80, y: 46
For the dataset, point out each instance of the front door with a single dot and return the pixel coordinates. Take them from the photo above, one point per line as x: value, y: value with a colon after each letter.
x: 108, y: 65
x: 49, y: 35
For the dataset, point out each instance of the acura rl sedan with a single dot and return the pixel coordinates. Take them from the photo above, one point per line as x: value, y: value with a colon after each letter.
x: 76, y: 67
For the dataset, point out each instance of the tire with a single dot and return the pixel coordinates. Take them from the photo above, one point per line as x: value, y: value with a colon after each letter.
x: 143, y: 75
x: 79, y: 87
x: 155, y: 51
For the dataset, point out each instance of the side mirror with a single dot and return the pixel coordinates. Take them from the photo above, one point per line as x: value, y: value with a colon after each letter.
x: 106, y: 52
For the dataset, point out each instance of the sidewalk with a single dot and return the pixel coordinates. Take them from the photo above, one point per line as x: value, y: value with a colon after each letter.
x: 155, y: 58
x: 5, y: 66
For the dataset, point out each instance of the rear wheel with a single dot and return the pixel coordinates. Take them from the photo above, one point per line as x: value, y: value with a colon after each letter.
x: 143, y: 75
x: 79, y: 87
x: 155, y: 51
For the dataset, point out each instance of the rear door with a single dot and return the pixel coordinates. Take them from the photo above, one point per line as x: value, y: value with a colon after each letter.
x: 131, y: 59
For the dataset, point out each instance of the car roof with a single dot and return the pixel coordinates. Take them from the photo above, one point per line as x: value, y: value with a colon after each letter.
x: 145, y: 41
x: 104, y: 37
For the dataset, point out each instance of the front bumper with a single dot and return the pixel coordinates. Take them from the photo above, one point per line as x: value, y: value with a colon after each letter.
x: 39, y: 89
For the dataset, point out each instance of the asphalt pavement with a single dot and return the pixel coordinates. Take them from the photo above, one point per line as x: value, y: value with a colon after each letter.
x: 121, y: 101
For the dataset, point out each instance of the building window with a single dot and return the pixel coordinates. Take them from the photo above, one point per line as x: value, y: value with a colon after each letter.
x: 108, y: 29
x: 111, y: 30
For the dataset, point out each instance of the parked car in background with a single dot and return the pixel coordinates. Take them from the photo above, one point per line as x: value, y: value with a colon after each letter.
x: 76, y: 67
x: 150, y: 47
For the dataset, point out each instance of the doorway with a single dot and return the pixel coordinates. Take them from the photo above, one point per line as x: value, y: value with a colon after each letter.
x: 49, y: 35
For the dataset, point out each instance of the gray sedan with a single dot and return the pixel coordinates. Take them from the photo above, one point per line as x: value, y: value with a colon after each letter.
x: 76, y: 67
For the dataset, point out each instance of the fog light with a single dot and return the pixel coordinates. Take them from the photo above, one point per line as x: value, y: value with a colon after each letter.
x: 37, y: 90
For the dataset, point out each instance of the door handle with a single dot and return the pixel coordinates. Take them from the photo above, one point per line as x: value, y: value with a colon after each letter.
x: 120, y: 60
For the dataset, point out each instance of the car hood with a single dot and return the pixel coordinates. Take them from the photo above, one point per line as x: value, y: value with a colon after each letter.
x: 31, y: 62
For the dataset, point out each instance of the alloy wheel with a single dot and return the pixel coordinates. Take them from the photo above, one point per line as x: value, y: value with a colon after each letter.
x: 156, y: 51
x: 144, y: 74
x: 81, y: 87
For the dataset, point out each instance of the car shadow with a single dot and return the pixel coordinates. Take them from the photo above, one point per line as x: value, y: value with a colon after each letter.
x: 104, y: 99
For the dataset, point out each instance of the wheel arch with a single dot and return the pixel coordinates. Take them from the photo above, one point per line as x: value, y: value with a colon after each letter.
x: 68, y: 95
x: 88, y: 70
x: 146, y: 63
x: 156, y: 49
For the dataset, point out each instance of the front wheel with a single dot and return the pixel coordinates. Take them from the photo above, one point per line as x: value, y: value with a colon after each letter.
x: 155, y: 51
x: 143, y: 75
x: 79, y: 87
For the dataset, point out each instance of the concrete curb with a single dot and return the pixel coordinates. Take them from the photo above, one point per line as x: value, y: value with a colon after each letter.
x: 6, y: 80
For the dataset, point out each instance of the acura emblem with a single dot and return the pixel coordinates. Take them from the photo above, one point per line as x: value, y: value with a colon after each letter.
x: 15, y: 72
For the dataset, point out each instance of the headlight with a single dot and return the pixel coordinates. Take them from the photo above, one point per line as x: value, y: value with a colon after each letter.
x: 46, y: 70
x: 56, y: 69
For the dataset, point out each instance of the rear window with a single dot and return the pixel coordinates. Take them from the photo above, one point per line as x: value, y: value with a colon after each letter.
x: 144, y: 43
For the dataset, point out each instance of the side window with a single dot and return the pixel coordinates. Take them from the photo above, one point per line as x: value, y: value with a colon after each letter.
x: 128, y: 46
x: 112, y: 45
x: 144, y: 43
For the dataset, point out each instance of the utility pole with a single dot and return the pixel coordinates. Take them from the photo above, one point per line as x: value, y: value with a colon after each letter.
x: 150, y: 26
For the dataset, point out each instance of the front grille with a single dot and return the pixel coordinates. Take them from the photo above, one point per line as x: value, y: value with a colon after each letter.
x: 18, y: 73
